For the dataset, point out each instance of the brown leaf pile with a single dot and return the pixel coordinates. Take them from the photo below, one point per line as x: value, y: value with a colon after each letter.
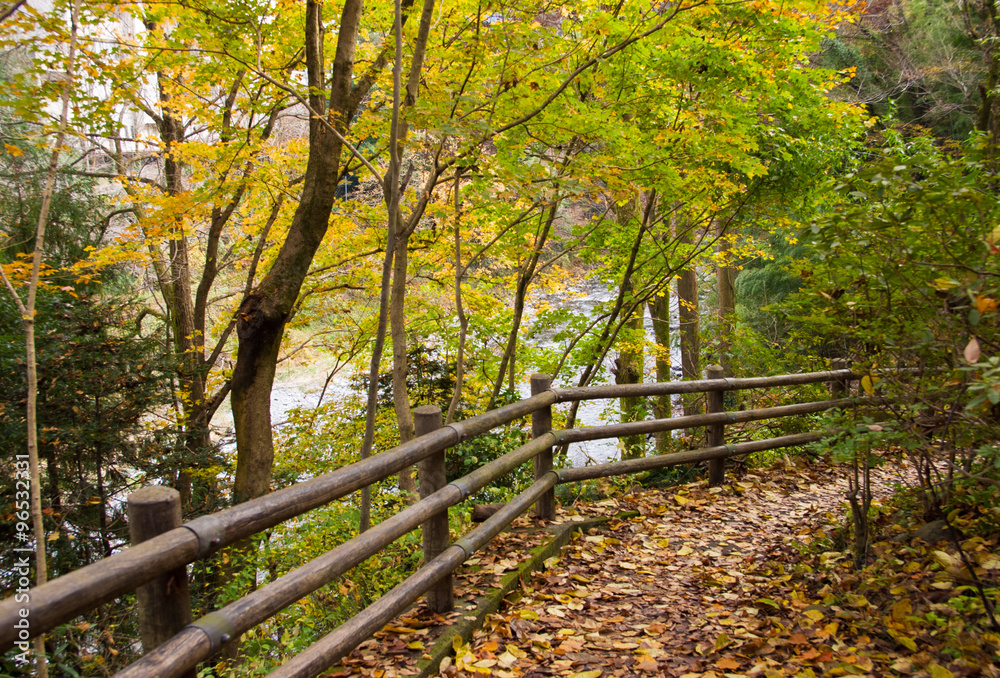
x: 710, y: 582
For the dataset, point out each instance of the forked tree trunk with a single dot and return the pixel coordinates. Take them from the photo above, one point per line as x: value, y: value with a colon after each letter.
x: 263, y: 313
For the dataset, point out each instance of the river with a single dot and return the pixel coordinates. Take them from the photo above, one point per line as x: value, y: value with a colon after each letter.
x: 301, y: 385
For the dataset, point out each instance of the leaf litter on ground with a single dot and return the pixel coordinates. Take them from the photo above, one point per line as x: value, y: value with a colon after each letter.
x: 700, y: 582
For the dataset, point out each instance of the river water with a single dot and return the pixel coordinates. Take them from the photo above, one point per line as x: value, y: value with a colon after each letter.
x: 301, y: 386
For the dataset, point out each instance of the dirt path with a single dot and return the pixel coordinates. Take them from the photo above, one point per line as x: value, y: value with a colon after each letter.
x: 702, y: 582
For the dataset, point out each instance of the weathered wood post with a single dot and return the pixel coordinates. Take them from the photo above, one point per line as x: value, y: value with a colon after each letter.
x: 838, y: 385
x: 541, y: 423
x: 164, y: 604
x: 716, y: 432
x: 427, y: 419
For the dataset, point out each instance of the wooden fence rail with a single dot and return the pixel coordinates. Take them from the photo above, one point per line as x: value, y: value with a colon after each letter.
x: 164, y: 556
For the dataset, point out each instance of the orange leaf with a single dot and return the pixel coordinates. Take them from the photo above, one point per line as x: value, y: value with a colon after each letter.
x: 986, y: 305
x: 727, y: 663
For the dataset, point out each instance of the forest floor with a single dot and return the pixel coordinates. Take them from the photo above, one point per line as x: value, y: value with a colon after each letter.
x: 752, y: 578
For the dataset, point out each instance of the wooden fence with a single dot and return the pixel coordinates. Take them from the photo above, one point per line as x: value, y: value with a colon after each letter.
x: 155, y: 565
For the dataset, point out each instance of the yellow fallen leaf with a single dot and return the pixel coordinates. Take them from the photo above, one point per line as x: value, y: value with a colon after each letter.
x: 685, y: 551
x: 593, y: 673
x: 516, y: 651
x: 938, y: 671
x: 415, y: 645
x: 855, y: 600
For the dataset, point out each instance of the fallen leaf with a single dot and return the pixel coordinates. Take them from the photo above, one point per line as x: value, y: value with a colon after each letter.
x: 727, y: 663
x: 971, y: 352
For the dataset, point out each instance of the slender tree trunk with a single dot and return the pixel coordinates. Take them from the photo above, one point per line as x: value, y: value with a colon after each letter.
x: 690, y: 329
x: 725, y: 276
x: 629, y: 363
x: 463, y: 321
x: 659, y: 311
x: 612, y: 326
x: 400, y: 361
x: 525, y: 276
x: 629, y: 367
x: 27, y: 310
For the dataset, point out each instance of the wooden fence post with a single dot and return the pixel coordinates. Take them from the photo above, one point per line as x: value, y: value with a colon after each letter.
x: 431, y: 471
x: 716, y: 432
x: 838, y: 386
x: 541, y: 423
x: 164, y: 604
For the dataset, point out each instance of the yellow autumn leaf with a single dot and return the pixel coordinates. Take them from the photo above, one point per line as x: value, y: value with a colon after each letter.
x: 944, y: 284
x: 905, y: 641
x: 938, y: 671
x: 593, y: 673
x: 13, y: 150
x: 854, y: 600
x: 516, y: 651
x: 868, y: 383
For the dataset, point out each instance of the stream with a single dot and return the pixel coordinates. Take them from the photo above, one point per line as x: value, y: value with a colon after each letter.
x: 301, y: 386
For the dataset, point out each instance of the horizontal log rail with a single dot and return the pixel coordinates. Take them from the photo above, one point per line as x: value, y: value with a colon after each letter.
x: 69, y: 596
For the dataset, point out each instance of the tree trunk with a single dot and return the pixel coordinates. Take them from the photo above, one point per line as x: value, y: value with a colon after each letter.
x: 629, y: 363
x: 400, y: 361
x: 463, y: 320
x: 265, y: 310
x: 690, y: 330
x: 525, y: 276
x: 986, y: 120
x: 629, y: 367
x: 725, y: 276
x: 27, y: 310
x: 659, y: 311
